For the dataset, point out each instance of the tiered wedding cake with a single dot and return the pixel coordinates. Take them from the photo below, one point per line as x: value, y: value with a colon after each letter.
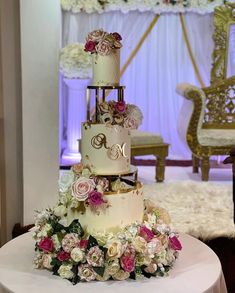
x: 101, y: 227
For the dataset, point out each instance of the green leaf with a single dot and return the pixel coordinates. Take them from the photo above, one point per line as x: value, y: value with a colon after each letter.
x: 104, y: 249
x: 76, y: 279
x: 75, y: 227
x: 133, y: 276
x: 91, y: 242
x: 99, y: 270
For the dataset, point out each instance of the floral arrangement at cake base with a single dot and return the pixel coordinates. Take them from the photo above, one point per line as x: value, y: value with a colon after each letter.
x: 147, y: 249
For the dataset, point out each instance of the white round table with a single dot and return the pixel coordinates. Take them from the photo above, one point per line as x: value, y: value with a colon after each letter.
x: 197, y: 269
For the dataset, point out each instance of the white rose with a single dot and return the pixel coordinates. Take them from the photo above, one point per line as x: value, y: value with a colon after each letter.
x: 140, y: 244
x: 46, y: 261
x: 60, y: 211
x: 154, y: 246
x: 65, y: 271
x: 115, y: 249
x: 66, y: 181
x: 77, y: 254
x: 56, y: 242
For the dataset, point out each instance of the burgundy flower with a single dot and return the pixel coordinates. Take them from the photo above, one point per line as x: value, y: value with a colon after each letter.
x: 146, y: 233
x: 83, y: 243
x: 90, y: 46
x: 120, y: 107
x: 127, y: 263
x: 95, y: 198
x: 117, y: 36
x: 62, y: 255
x: 46, y: 244
x: 175, y: 243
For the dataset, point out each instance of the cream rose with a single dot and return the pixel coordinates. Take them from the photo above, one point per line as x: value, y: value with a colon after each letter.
x: 151, y: 268
x: 115, y: 249
x: 96, y: 36
x: 81, y: 188
x: 77, y: 254
x: 121, y: 275
x: 65, y: 271
x: 113, y: 266
x: 140, y: 244
x: 154, y: 246
x: 86, y: 273
x: 46, y: 261
x: 103, y: 48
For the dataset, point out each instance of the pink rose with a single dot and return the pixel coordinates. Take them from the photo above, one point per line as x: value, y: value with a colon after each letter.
x: 96, y: 36
x: 82, y: 187
x: 90, y: 46
x: 62, y: 255
x: 69, y: 242
x: 95, y: 257
x: 95, y: 198
x: 129, y: 251
x: 117, y: 36
x: 103, y: 48
x: 83, y: 243
x: 120, y: 107
x: 46, y: 244
x: 127, y: 263
x: 175, y: 243
x: 102, y: 183
x: 146, y: 233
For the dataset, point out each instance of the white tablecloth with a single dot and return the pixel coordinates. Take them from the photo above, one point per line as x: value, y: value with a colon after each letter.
x: 197, y: 269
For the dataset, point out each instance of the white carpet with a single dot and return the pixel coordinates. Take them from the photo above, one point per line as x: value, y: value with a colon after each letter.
x: 201, y: 209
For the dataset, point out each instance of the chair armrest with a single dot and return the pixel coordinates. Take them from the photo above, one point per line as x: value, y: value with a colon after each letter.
x: 191, y: 114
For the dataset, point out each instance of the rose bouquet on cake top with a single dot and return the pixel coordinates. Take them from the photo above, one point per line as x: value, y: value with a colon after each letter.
x: 147, y: 249
x: 102, y: 43
x: 75, y: 62
x: 119, y: 113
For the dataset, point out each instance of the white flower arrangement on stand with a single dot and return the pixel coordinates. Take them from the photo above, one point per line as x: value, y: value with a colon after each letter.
x: 75, y: 62
x: 75, y: 65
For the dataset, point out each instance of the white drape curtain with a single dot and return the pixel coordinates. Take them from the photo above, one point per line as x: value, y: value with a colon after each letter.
x: 162, y: 62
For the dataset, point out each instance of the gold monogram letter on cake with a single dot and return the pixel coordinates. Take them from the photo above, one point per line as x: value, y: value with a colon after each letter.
x: 116, y: 151
x: 98, y: 141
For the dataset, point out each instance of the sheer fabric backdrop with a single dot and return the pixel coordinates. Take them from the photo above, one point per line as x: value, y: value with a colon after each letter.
x: 161, y: 63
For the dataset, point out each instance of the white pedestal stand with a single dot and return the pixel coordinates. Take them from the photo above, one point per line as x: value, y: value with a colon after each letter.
x: 76, y: 115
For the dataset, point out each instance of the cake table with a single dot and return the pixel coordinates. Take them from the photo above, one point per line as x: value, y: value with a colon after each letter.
x: 197, y: 269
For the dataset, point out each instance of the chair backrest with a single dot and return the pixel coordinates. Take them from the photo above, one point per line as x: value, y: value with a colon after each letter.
x: 220, y: 105
x: 224, y: 19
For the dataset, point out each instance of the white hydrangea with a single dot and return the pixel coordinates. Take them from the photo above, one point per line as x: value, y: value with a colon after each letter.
x: 75, y: 62
x: 65, y: 181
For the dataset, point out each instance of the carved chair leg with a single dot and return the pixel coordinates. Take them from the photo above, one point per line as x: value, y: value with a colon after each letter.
x: 195, y: 161
x: 205, y: 168
x: 160, y: 168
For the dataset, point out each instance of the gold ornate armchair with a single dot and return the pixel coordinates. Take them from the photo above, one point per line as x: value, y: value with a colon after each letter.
x: 209, y: 121
x: 207, y: 118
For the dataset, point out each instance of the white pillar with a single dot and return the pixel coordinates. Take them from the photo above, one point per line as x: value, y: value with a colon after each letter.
x: 76, y: 115
x: 40, y: 44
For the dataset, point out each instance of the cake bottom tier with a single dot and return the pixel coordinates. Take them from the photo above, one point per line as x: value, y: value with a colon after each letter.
x: 124, y: 209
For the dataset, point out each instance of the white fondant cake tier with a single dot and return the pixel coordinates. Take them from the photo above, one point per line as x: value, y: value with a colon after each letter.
x: 106, y: 69
x: 124, y: 209
x: 106, y: 148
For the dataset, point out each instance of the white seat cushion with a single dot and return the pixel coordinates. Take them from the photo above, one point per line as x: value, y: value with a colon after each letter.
x: 144, y: 138
x: 217, y: 137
